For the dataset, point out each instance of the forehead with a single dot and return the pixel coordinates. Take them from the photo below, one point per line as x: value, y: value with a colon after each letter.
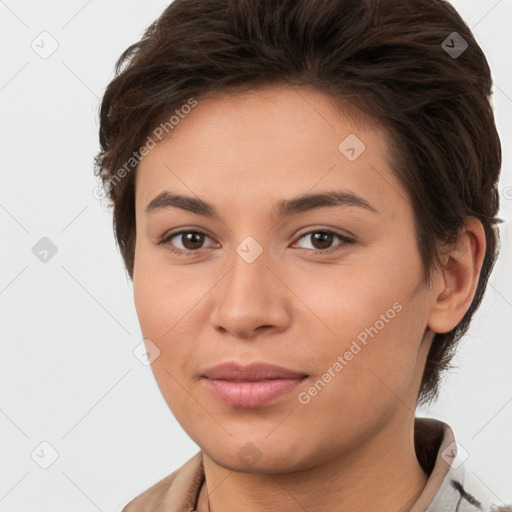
x: 268, y: 142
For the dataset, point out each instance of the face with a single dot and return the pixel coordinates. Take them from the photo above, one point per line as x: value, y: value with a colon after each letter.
x: 329, y: 288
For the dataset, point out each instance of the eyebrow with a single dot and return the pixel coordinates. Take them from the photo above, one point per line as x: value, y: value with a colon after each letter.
x: 283, y: 208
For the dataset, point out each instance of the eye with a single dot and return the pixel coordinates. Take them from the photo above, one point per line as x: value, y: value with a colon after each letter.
x: 190, y: 240
x: 322, y: 240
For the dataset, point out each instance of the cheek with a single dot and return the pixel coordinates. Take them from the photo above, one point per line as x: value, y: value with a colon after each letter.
x: 167, y: 308
x: 161, y: 296
x: 378, y: 330
x: 161, y: 311
x: 388, y: 364
x: 148, y: 303
x: 370, y: 382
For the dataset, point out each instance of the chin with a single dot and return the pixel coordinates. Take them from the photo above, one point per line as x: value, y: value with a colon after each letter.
x: 261, y: 457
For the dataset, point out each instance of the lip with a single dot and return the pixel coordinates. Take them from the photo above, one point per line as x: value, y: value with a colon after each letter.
x: 234, y: 371
x: 253, y: 385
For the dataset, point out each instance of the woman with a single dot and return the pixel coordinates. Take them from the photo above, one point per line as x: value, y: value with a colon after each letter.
x: 305, y: 196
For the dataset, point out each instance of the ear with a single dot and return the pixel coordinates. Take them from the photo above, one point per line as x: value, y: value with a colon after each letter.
x: 455, y: 288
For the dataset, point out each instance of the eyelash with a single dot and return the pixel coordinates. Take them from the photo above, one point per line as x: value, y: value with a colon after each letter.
x: 185, y: 253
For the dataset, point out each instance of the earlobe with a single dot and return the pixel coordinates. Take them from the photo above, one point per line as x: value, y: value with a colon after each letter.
x: 456, y: 286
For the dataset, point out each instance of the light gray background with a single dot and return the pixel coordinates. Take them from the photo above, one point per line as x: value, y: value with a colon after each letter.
x: 68, y: 326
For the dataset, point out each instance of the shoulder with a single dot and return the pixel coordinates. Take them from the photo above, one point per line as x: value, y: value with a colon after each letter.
x: 177, y: 488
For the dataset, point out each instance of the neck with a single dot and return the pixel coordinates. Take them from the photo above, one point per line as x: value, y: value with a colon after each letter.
x: 381, y: 474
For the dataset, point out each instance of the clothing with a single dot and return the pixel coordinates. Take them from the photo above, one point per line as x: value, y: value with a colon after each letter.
x: 450, y: 486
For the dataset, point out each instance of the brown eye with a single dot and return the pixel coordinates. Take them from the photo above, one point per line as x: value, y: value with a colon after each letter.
x: 322, y: 241
x: 185, y: 241
x: 192, y: 240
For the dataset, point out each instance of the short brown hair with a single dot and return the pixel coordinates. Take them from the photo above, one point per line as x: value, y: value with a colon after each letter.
x: 403, y: 63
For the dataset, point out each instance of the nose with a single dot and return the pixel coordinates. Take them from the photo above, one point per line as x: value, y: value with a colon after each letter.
x: 251, y: 298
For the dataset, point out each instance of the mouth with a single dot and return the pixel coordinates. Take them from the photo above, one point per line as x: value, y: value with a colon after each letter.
x: 250, y: 386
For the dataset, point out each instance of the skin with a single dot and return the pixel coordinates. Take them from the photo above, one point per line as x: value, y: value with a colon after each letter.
x: 352, y: 443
